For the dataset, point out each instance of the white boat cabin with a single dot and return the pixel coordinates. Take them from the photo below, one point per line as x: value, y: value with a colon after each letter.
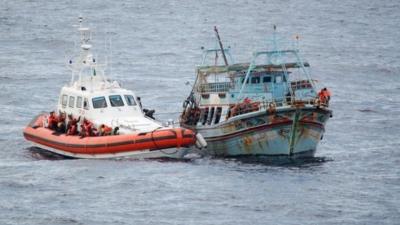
x: 92, y: 96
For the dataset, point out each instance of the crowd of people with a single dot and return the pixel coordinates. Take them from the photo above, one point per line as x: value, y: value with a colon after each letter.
x: 191, y: 116
x: 87, y: 128
x: 244, y: 107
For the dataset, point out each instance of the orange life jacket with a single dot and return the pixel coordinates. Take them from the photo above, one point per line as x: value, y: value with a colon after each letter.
x: 326, y: 93
x: 52, y: 121
x: 106, y: 130
x: 72, y: 130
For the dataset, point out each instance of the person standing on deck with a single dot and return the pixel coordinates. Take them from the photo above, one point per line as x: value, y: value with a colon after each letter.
x: 324, y: 96
x: 139, y: 102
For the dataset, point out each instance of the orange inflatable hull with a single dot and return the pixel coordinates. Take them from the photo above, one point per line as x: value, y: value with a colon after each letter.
x: 115, y: 144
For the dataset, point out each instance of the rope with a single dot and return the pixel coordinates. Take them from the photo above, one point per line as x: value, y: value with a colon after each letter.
x: 155, y: 143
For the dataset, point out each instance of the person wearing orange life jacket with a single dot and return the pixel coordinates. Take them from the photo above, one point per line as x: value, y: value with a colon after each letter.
x: 247, y: 100
x: 69, y: 122
x: 73, y: 125
x: 87, y: 129
x: 53, y: 120
x: 61, y: 128
x: 327, y: 94
x: 324, y: 96
x: 321, y: 97
x: 82, y: 133
x: 105, y: 130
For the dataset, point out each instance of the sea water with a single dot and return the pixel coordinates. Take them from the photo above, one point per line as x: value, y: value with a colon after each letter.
x: 152, y: 48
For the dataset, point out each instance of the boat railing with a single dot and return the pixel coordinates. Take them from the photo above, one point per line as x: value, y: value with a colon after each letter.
x: 215, y: 87
x: 301, y: 84
x: 287, y: 101
x: 271, y: 105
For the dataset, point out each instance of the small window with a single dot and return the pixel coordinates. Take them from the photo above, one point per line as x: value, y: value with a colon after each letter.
x: 218, y: 115
x: 116, y: 100
x: 79, y: 102
x: 246, y: 81
x: 255, y: 80
x: 205, y: 96
x: 99, y: 102
x: 278, y: 79
x: 266, y: 79
x: 64, y: 100
x: 210, y: 118
x: 221, y: 95
x: 205, y: 115
x: 71, y: 101
x: 130, y: 100
x: 86, y: 104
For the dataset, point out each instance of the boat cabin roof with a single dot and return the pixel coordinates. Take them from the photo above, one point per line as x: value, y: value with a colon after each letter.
x: 205, y: 70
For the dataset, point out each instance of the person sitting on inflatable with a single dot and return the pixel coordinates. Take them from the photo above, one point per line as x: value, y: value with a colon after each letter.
x: 61, y: 128
x: 72, y: 127
x: 52, y: 124
x: 105, y: 130
x: 87, y: 129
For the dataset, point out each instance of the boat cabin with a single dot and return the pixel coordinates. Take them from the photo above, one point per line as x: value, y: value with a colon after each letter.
x: 219, y: 88
x: 101, y: 106
x: 92, y: 96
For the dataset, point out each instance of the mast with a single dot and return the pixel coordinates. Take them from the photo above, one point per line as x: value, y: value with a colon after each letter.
x: 220, y: 45
x: 84, y: 65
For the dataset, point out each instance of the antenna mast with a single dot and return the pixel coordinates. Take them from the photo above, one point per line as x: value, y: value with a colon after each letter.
x: 220, y: 45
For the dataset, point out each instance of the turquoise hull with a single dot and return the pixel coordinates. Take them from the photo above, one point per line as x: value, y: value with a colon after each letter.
x: 287, y: 132
x: 268, y: 107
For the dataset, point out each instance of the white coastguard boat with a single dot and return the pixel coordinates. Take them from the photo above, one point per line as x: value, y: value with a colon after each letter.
x: 123, y: 130
x: 268, y: 107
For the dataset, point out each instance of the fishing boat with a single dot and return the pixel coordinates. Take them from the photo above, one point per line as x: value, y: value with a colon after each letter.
x: 91, y: 98
x: 268, y: 107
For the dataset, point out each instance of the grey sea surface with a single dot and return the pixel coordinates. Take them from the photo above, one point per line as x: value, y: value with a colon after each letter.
x: 153, y: 47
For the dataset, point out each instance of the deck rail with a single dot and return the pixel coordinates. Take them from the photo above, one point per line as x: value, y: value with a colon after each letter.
x: 271, y: 105
x: 214, y: 87
x: 286, y: 101
x: 301, y: 84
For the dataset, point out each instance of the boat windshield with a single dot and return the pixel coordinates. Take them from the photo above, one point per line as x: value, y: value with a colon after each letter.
x: 130, y: 100
x: 99, y: 102
x: 116, y: 101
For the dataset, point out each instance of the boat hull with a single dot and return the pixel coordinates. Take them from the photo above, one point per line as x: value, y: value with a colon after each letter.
x: 290, y: 131
x: 174, y: 153
x: 162, y: 143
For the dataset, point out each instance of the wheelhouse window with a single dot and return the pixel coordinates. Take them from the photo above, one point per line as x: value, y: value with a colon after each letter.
x: 99, y: 102
x: 71, y: 101
x: 130, y: 100
x: 266, y: 79
x: 116, y: 100
x: 64, y: 100
x: 210, y: 118
x: 86, y: 104
x: 243, y: 78
x: 204, y: 113
x: 79, y: 102
x: 255, y: 80
x: 218, y: 115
